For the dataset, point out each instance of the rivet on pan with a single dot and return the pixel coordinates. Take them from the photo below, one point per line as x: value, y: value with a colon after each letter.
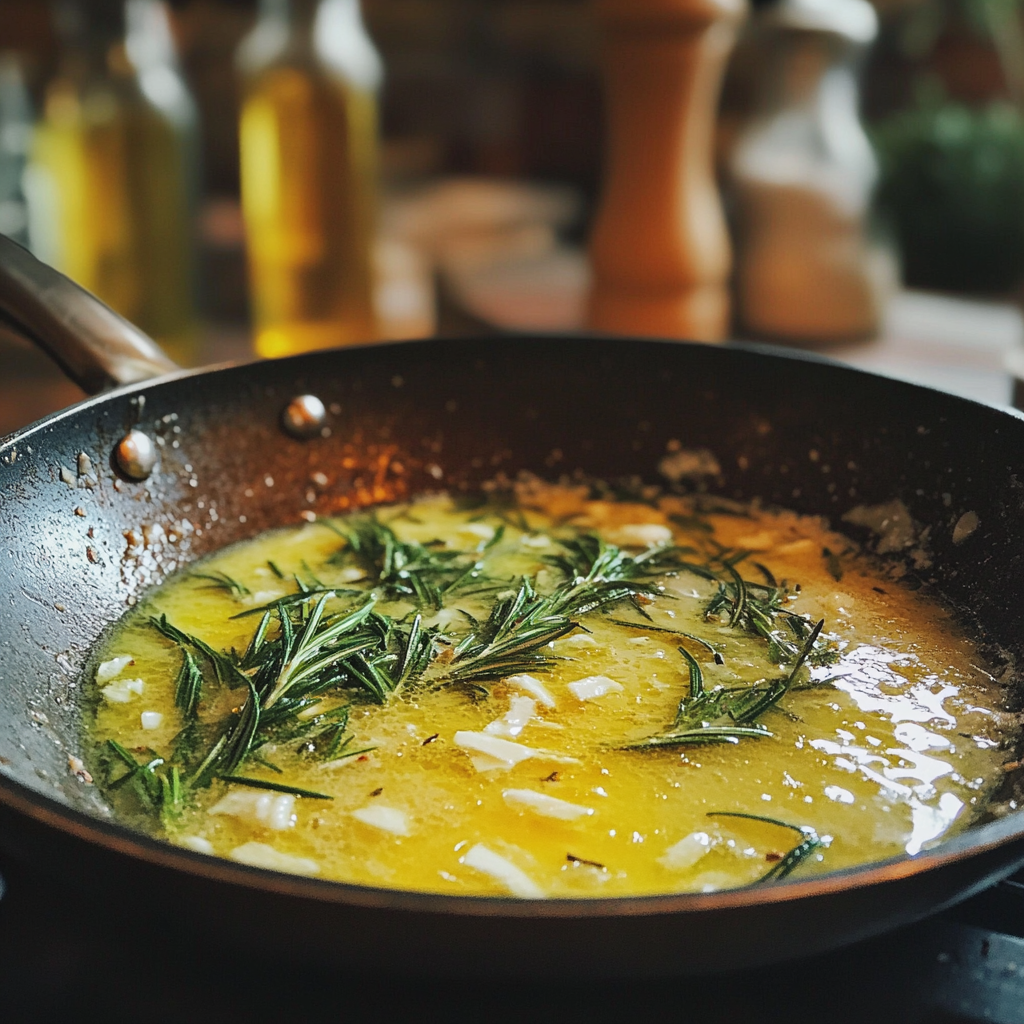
x: 304, y: 416
x: 135, y: 455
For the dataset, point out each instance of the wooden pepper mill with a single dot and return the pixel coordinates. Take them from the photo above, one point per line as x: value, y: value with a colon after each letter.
x: 660, y: 249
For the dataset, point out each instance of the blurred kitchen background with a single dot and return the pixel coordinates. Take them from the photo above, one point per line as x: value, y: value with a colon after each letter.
x: 251, y: 178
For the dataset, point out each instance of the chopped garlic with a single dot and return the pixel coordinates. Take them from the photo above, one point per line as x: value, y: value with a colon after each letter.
x: 108, y: 670
x: 445, y: 618
x: 592, y: 687
x: 532, y: 686
x: 259, y: 855
x: 637, y: 535
x: 351, y: 574
x: 517, y: 718
x: 536, y: 541
x: 387, y: 819
x: 267, y: 809
x: 548, y: 806
x: 151, y: 719
x: 197, y: 844
x: 123, y: 690
x: 497, y: 753
x: 577, y: 641
x: 262, y: 597
x: 687, y: 852
x: 479, y: 530
x: 487, y: 862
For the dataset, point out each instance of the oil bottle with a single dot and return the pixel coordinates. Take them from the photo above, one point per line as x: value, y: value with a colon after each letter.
x: 111, y: 176
x: 308, y: 138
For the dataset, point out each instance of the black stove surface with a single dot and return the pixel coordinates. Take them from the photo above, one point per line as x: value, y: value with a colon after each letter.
x: 62, y: 958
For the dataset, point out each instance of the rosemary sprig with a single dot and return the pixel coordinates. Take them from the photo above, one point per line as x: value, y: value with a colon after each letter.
x: 406, y: 570
x: 597, y: 574
x: 649, y: 628
x: 696, y: 676
x: 314, y: 649
x: 788, y: 863
x: 759, y: 609
x: 755, y: 701
x: 724, y: 715
x: 284, y: 671
x: 224, y: 666
x: 510, y: 639
x: 703, y: 735
x: 276, y: 787
x: 222, y: 581
x: 156, y: 794
x: 188, y: 685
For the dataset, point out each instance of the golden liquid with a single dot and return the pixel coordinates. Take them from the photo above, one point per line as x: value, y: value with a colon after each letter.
x: 899, y: 751
x: 308, y: 164
x: 109, y: 185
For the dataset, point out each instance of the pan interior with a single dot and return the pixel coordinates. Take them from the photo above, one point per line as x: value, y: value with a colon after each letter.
x: 82, y: 544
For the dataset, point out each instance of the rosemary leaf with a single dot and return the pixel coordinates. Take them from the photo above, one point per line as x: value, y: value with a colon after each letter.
x: 809, y: 844
x: 705, y: 734
x: 276, y: 787
x: 222, y: 581
x: 188, y: 686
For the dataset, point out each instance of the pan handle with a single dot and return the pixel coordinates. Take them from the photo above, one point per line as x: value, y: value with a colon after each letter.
x: 94, y: 346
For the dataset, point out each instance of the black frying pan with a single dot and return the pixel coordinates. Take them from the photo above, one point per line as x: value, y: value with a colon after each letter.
x: 790, y: 430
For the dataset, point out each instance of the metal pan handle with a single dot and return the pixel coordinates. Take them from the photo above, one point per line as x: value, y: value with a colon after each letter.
x: 94, y: 346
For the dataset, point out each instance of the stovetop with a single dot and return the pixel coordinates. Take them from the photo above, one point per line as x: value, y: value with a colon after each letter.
x: 62, y: 958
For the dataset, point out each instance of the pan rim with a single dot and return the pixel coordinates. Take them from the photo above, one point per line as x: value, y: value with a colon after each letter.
x: 751, y: 348
x: 119, y: 839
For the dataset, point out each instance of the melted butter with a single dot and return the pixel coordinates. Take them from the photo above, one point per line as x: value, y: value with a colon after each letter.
x: 900, y: 748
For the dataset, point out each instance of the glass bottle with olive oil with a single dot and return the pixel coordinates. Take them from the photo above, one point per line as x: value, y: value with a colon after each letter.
x: 309, y: 173
x: 112, y: 170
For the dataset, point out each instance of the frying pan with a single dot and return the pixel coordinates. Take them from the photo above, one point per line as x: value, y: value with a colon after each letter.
x: 81, y: 538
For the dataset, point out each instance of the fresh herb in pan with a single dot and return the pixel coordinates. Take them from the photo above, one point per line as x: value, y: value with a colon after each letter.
x: 224, y: 666
x: 481, y: 723
x: 222, y: 581
x: 188, y: 687
x: 789, y: 862
x: 509, y: 640
x: 725, y: 714
x: 425, y: 574
x: 760, y: 609
x: 699, y: 736
x: 285, y: 671
x: 275, y: 787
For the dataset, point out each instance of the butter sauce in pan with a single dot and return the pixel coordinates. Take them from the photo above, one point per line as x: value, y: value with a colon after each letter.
x: 543, y: 694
